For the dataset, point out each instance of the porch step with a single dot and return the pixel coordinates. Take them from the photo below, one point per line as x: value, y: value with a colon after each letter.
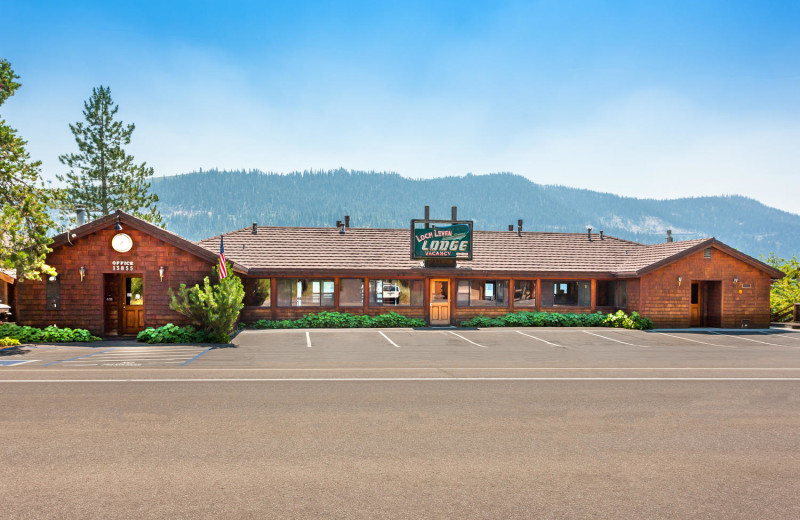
x: 785, y: 324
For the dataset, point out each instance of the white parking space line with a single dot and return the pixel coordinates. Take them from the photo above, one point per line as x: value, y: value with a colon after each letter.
x: 748, y: 339
x: 693, y: 340
x: 612, y: 339
x: 787, y: 335
x: 467, y: 340
x: 388, y: 339
x: 540, y: 339
x: 393, y: 379
x: 308, y: 339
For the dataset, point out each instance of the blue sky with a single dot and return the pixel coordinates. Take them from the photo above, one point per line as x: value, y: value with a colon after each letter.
x: 646, y: 99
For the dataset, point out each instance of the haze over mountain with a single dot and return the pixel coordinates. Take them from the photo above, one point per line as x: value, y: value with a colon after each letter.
x: 205, y: 203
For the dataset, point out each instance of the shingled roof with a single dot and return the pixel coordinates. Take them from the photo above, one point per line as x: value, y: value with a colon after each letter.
x: 296, y: 249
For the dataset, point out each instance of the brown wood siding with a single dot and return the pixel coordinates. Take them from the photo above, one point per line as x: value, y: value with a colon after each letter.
x: 83, y: 303
x: 667, y: 304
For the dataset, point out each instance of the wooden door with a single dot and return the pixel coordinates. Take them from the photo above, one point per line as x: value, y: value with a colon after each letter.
x: 440, y: 302
x: 696, y: 313
x: 132, y: 299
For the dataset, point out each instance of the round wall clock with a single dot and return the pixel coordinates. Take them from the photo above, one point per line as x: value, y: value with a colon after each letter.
x: 121, y: 243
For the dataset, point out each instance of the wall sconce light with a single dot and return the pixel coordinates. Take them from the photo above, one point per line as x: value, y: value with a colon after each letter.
x: 117, y: 226
x: 735, y: 279
x: 680, y: 279
x: 161, y: 272
x: 82, y: 272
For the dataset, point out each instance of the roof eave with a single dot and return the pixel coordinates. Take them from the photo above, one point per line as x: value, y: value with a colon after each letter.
x: 146, y: 227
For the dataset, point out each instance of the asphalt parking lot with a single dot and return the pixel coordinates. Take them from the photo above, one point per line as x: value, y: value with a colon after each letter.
x: 397, y: 423
x: 510, y: 349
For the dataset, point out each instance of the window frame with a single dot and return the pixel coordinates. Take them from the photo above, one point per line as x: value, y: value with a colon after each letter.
x: 280, y: 281
x: 513, y: 290
x: 479, y: 304
x: 369, y: 292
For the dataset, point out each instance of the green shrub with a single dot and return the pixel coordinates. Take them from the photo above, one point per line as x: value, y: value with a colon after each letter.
x: 555, y: 319
x: 340, y: 320
x: 9, y: 342
x: 213, y: 309
x: 170, y: 333
x: 51, y: 334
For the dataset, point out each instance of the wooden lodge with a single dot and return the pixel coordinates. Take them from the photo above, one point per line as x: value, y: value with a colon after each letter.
x: 114, y: 274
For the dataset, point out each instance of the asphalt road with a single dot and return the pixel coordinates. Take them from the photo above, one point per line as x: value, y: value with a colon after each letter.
x: 496, y: 425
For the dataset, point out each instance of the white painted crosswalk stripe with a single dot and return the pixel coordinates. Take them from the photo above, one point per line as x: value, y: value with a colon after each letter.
x: 138, y: 356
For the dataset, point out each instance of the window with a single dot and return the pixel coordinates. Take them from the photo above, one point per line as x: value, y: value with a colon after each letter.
x: 396, y: 293
x: 305, y: 293
x: 134, y: 291
x: 566, y: 293
x: 707, y: 252
x: 695, y: 293
x: 351, y: 292
x: 482, y: 293
x: 261, y: 293
x: 611, y: 293
x: 53, y: 292
x: 524, y: 293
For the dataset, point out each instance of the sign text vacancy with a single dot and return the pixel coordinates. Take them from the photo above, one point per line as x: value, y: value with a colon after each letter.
x: 442, y: 242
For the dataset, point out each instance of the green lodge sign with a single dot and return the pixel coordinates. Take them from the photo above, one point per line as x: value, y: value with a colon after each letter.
x: 453, y: 241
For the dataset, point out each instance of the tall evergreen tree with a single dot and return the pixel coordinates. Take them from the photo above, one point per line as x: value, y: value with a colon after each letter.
x: 103, y: 177
x: 24, y: 218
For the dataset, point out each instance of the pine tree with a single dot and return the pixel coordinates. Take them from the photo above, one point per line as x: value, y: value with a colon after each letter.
x: 103, y: 177
x: 24, y: 218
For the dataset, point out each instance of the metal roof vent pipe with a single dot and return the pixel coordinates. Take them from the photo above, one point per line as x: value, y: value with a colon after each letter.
x: 347, y: 221
x: 454, y: 213
x: 511, y: 227
x: 669, y: 236
x: 80, y: 215
x: 340, y: 227
x: 519, y: 227
x: 255, y: 228
x: 601, y: 235
x: 589, y: 233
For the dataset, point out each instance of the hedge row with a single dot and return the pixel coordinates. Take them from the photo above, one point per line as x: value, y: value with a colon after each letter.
x: 170, y: 333
x: 340, y: 320
x: 51, y: 334
x: 554, y: 319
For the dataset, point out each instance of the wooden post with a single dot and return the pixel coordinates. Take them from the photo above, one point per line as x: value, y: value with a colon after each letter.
x: 273, y: 297
x: 537, y: 286
x: 594, y: 294
x: 336, y: 293
x: 366, y: 296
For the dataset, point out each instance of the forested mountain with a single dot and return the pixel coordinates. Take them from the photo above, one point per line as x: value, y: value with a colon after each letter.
x: 201, y: 204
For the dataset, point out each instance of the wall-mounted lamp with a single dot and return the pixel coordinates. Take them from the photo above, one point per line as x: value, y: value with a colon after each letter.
x: 82, y: 272
x: 680, y: 279
x: 735, y: 279
x: 117, y: 226
x: 161, y: 272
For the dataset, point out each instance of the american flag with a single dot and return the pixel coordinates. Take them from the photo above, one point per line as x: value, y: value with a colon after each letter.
x: 223, y: 271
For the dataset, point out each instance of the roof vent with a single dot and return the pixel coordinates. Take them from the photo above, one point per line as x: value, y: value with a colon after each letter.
x: 669, y: 236
x: 519, y: 227
x: 589, y: 233
x: 255, y: 228
x: 511, y: 227
x: 80, y: 215
x: 601, y: 235
x: 347, y: 221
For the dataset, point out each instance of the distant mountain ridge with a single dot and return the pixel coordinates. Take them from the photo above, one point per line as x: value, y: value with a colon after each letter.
x: 205, y: 203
